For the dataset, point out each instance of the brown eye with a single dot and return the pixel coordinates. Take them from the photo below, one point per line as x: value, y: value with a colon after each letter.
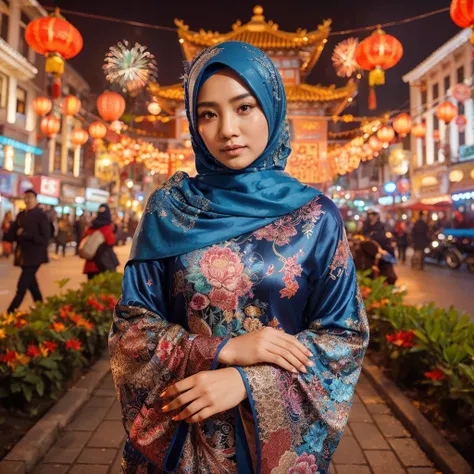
x: 206, y: 115
x: 246, y: 107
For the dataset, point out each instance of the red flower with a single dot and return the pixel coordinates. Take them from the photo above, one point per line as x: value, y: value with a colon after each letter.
x: 65, y: 310
x: 33, y: 351
x: 109, y: 299
x: 95, y: 304
x: 73, y: 344
x: 20, y: 323
x: 50, y: 345
x: 365, y: 291
x: 10, y: 356
x: 436, y: 374
x: 401, y: 338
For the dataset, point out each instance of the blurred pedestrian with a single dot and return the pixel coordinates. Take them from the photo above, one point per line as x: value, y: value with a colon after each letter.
x: 132, y: 225
x: 64, y: 234
x: 31, y: 231
x: 6, y: 223
x: 401, y: 237
x: 79, y: 229
x: 104, y: 258
x: 420, y: 240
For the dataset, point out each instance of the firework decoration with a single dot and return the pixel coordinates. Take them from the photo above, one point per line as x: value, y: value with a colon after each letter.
x: 343, y: 57
x: 125, y: 65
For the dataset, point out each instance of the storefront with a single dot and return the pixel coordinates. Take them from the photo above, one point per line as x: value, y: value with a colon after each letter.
x: 8, y: 192
x: 71, y: 201
x: 94, y: 198
x: 461, y: 188
x: 17, y: 156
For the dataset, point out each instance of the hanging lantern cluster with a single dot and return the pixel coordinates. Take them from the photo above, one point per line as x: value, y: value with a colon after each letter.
x: 402, y: 124
x: 71, y: 105
x: 111, y: 106
x: 377, y: 53
x: 79, y: 136
x: 50, y: 125
x: 348, y: 157
x: 446, y: 111
x: 97, y: 130
x: 462, y: 13
x: 42, y: 105
x: 419, y: 130
x: 56, y: 38
x: 386, y: 134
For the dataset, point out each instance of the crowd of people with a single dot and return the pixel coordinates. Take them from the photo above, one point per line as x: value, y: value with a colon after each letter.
x: 380, y: 244
x: 30, y: 236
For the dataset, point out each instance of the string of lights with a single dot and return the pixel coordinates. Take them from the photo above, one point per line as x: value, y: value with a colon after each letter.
x: 174, y: 30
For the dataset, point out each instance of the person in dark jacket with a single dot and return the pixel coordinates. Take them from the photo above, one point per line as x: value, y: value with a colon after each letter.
x: 375, y: 230
x: 420, y: 236
x: 31, y: 232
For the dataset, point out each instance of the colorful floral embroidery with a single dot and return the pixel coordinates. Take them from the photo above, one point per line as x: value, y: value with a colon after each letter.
x: 291, y: 269
x: 340, y: 261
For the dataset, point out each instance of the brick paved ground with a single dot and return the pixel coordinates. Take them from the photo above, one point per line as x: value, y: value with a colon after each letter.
x: 374, y: 440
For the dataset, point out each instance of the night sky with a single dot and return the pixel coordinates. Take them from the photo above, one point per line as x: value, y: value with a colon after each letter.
x: 419, y: 38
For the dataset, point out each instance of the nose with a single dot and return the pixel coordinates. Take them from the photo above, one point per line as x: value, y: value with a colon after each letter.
x: 228, y: 125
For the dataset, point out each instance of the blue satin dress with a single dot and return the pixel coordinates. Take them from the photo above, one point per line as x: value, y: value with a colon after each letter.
x: 296, y: 275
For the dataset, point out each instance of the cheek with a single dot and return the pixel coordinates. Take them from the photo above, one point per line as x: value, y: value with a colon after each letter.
x: 257, y: 129
x: 207, y: 133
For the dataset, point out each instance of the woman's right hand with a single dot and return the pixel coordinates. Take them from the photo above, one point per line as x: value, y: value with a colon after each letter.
x: 267, y: 345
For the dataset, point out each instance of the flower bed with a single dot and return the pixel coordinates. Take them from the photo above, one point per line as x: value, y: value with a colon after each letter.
x: 429, y: 353
x: 41, y: 351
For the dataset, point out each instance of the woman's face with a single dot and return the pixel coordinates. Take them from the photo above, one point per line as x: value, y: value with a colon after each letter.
x: 230, y: 120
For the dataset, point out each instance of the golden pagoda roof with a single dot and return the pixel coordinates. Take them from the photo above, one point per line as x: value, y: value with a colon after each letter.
x: 294, y: 93
x: 262, y: 34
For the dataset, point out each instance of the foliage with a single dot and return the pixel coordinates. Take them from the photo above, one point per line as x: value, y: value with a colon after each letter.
x: 40, y: 350
x: 422, y: 345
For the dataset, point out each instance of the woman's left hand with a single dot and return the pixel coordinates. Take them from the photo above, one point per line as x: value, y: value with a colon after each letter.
x: 206, y: 394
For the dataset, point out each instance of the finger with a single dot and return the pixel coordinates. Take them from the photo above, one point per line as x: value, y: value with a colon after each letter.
x: 281, y: 362
x: 289, y: 357
x: 181, y: 400
x: 293, y: 340
x: 191, y: 409
x: 294, y: 351
x: 181, y: 386
x: 200, y: 416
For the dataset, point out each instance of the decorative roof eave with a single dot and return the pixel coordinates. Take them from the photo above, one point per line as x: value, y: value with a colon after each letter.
x: 262, y: 34
x: 439, y: 55
x: 295, y: 93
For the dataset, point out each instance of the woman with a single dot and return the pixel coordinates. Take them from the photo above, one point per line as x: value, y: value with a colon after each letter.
x: 240, y: 335
x: 64, y: 233
x: 102, y: 223
x: 6, y: 223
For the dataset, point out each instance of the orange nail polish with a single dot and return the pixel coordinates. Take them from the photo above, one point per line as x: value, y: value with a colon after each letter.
x: 165, y: 408
x: 175, y: 418
x: 163, y: 394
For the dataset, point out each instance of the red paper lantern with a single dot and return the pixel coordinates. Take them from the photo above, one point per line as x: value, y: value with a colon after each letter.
x: 419, y: 130
x: 377, y: 53
x: 461, y: 92
x: 42, y: 105
x: 461, y: 123
x: 71, y: 105
x: 50, y: 125
x: 386, y: 134
x: 56, y: 38
x: 402, y: 124
x: 79, y: 136
x: 446, y: 111
x: 97, y: 130
x: 111, y: 106
x: 462, y: 13
x: 375, y: 143
x: 436, y: 135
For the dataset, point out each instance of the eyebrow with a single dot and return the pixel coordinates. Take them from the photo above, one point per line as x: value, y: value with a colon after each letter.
x: 234, y: 99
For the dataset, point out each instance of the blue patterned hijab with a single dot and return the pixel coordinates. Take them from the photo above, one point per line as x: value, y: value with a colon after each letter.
x: 186, y: 213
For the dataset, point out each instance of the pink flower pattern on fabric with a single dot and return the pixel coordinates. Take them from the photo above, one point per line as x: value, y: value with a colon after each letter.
x: 279, y: 231
x: 225, y: 273
x: 199, y: 302
x: 305, y: 464
x: 291, y: 269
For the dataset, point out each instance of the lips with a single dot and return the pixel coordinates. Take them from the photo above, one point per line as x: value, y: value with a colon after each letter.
x: 233, y: 150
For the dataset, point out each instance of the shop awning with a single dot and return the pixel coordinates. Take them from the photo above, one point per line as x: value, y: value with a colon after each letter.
x: 420, y: 206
